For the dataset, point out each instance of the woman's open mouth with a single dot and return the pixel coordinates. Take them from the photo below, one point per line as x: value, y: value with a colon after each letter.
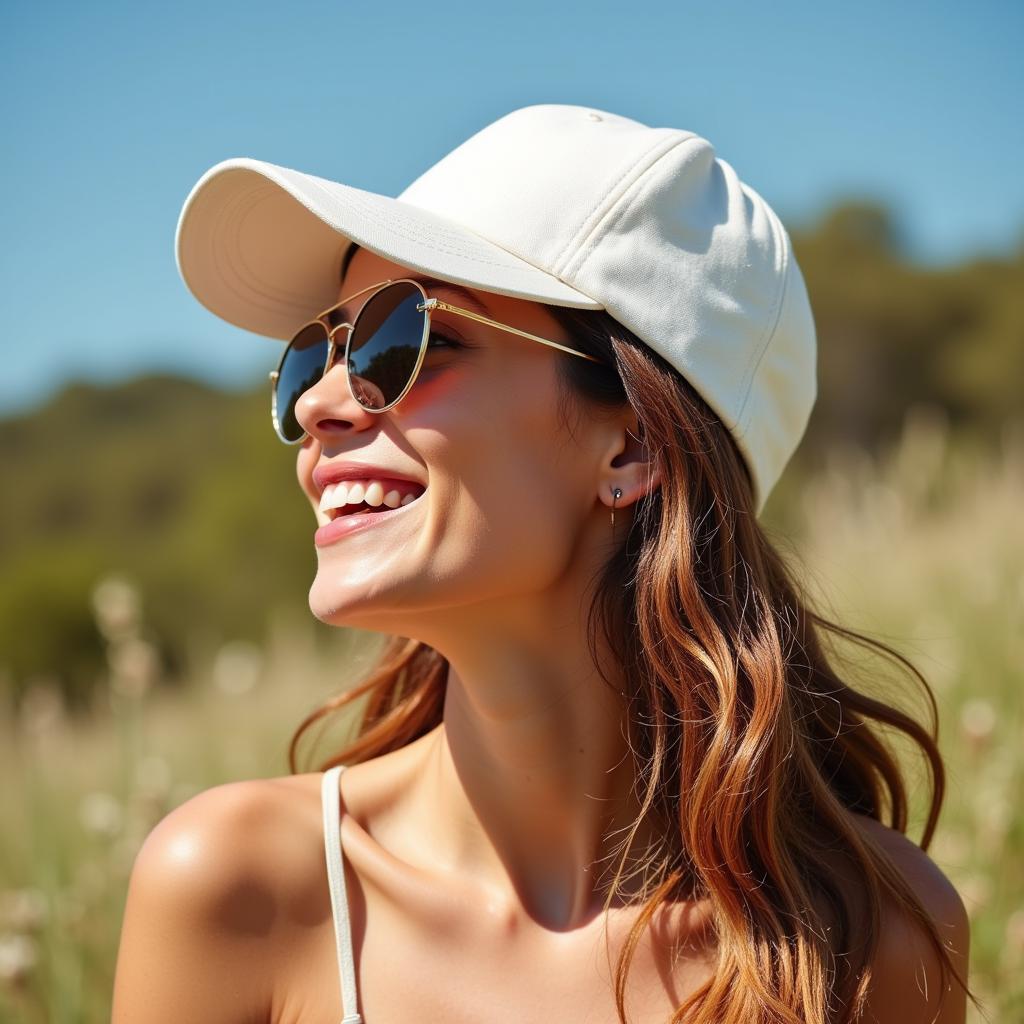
x: 338, y: 516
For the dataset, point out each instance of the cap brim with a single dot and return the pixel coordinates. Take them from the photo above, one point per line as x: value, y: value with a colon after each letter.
x: 261, y: 246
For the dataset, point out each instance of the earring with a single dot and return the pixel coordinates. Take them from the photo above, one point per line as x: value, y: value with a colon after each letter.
x: 616, y: 494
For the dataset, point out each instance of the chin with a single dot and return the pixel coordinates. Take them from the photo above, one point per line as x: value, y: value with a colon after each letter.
x: 348, y: 607
x: 333, y: 609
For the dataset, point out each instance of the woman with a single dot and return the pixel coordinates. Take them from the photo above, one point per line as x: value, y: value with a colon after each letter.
x: 604, y: 770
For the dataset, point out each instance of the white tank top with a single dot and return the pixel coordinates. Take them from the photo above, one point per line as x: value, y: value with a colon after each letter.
x: 330, y: 795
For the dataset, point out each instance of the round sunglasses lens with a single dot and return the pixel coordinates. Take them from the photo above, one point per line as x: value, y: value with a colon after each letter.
x: 302, y: 366
x: 385, y: 345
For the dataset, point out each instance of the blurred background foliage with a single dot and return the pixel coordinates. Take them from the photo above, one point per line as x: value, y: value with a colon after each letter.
x: 156, y: 552
x: 178, y: 486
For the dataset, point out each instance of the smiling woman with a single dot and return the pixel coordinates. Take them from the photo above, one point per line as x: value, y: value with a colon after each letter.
x: 570, y: 361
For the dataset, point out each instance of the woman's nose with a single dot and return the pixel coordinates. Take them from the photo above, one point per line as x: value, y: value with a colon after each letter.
x: 328, y: 408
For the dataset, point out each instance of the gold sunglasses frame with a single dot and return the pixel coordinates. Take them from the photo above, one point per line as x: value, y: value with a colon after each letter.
x: 426, y: 306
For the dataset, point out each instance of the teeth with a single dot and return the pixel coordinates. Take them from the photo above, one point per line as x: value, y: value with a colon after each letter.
x: 372, y: 492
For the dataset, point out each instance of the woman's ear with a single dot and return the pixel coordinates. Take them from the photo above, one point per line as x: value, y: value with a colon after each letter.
x: 630, y: 467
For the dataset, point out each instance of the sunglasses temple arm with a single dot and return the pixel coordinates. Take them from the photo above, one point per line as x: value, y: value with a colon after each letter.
x: 512, y: 330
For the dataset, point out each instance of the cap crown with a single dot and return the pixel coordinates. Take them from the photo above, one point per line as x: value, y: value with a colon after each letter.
x: 664, y: 235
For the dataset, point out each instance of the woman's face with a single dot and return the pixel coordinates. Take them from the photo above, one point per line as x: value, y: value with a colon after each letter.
x: 508, y: 491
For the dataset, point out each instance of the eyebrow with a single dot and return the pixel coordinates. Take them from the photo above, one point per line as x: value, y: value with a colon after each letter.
x: 463, y: 293
x: 468, y: 297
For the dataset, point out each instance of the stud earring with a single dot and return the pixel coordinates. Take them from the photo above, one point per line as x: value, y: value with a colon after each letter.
x: 616, y: 494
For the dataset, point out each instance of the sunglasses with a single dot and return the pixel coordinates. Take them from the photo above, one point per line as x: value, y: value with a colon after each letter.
x: 385, y: 346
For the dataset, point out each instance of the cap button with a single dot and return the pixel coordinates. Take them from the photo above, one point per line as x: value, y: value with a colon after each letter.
x: 595, y: 117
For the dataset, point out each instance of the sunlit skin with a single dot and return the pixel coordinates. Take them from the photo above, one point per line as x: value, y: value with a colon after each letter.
x: 514, y: 791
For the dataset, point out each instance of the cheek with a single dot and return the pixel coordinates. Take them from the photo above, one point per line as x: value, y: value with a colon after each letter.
x: 437, y: 390
x: 510, y: 507
x: 485, y: 401
x: 494, y: 432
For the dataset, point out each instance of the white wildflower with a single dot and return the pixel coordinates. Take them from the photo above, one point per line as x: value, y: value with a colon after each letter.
x: 978, y: 719
x: 23, y: 909
x: 117, y: 607
x: 237, y: 667
x: 134, y: 664
x: 42, y: 706
x: 17, y: 956
x: 101, y: 813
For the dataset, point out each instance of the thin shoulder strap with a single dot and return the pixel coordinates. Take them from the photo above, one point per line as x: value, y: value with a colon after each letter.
x: 331, y: 799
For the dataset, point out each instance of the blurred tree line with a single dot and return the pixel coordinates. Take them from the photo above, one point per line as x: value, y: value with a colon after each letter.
x: 184, y: 489
x: 891, y: 333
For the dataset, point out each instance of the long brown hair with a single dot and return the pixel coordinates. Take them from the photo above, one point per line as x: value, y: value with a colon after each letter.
x: 746, y: 741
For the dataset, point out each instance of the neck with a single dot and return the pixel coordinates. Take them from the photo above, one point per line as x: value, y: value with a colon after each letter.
x: 526, y: 788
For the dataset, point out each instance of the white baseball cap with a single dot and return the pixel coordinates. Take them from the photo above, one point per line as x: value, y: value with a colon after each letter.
x: 557, y: 204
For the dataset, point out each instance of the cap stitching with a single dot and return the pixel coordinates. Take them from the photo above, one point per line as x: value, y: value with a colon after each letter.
x: 235, y: 256
x: 603, y: 207
x: 365, y: 208
x: 768, y: 332
x: 402, y: 229
x: 243, y: 283
x: 773, y: 322
x: 618, y: 209
x: 380, y: 218
x: 221, y: 221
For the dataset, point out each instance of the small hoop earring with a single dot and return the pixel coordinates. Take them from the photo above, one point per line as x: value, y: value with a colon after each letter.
x: 616, y: 494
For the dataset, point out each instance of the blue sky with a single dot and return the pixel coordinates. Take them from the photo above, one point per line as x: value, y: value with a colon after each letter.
x: 111, y: 111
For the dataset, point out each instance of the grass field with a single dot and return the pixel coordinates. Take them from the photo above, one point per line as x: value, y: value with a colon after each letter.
x: 923, y: 549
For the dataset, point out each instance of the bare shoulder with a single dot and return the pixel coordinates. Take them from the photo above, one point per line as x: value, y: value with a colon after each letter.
x: 215, y: 889
x: 907, y: 983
